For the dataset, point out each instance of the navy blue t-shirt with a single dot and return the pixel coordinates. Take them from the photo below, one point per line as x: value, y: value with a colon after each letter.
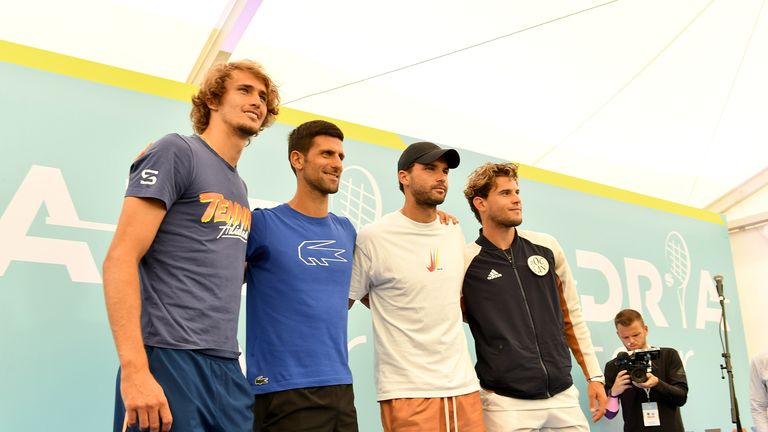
x: 191, y: 277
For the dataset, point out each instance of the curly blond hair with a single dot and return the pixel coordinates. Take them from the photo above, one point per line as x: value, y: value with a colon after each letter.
x: 483, y: 179
x: 214, y: 86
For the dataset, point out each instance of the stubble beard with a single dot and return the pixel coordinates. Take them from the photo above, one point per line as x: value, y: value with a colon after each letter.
x: 324, y: 188
x: 247, y: 131
x: 507, y: 222
x: 427, y: 199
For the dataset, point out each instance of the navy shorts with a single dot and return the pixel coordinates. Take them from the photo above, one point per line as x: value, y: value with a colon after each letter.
x: 205, y: 393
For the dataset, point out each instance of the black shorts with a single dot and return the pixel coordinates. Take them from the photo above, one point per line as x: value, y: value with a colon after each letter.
x: 310, y: 409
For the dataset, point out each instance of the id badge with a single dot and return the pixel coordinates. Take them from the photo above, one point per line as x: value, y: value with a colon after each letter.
x: 651, y: 414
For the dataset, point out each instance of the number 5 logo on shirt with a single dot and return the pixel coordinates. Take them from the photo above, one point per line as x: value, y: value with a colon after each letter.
x: 149, y: 177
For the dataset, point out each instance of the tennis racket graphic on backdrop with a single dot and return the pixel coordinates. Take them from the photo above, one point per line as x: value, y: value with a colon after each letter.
x: 679, y: 260
x: 358, y: 197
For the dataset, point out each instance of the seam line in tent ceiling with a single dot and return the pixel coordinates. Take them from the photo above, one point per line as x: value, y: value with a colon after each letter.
x: 389, y: 72
x: 726, y: 101
x: 61, y: 64
x: 623, y: 87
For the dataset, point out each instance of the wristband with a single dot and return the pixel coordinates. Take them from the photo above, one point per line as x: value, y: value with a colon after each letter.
x: 597, y: 378
x: 613, y: 403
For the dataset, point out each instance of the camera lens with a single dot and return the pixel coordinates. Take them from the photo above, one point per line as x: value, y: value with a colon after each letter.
x: 638, y: 375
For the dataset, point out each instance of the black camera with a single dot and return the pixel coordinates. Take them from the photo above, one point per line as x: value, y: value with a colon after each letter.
x: 637, y: 363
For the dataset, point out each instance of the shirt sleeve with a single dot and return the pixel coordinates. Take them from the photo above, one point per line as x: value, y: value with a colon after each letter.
x: 610, y: 375
x: 610, y: 372
x: 162, y: 171
x: 758, y: 392
x: 576, y: 331
x: 674, y: 389
x: 359, y: 285
x: 256, y: 237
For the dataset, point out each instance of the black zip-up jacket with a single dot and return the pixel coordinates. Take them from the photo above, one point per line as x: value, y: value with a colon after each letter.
x: 524, y: 313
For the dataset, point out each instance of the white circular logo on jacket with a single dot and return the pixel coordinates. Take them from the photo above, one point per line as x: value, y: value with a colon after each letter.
x: 538, y: 264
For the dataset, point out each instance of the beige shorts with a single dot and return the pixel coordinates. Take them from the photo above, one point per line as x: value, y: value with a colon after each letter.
x: 444, y: 414
x: 561, y: 413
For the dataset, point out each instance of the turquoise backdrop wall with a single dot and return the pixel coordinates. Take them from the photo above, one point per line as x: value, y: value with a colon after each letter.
x: 68, y: 143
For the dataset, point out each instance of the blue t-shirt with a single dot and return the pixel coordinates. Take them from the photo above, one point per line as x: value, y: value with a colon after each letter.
x: 191, y: 277
x: 298, y: 275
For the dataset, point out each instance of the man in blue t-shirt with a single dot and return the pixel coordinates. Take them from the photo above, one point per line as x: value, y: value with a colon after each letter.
x: 173, y: 273
x: 299, y: 264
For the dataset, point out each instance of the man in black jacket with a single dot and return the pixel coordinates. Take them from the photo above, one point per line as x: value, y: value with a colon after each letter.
x: 653, y: 404
x: 522, y: 307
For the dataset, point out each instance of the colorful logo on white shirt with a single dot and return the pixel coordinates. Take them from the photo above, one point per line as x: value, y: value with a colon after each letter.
x: 433, y: 261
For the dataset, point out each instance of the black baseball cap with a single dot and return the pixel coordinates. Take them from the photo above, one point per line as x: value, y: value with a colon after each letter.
x: 426, y: 152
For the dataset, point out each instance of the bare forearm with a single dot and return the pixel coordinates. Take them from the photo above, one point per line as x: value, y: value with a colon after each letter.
x: 123, y: 301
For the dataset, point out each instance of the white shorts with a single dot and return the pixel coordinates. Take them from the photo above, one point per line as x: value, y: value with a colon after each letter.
x: 560, y: 413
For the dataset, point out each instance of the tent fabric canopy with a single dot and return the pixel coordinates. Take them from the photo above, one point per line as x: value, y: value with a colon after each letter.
x: 661, y: 98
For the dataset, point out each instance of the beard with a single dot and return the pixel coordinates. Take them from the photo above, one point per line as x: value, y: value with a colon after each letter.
x: 324, y: 187
x: 427, y: 197
x: 247, y: 130
x: 244, y: 129
x: 506, y: 221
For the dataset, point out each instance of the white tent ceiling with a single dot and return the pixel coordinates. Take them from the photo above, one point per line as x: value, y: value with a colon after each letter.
x: 665, y: 98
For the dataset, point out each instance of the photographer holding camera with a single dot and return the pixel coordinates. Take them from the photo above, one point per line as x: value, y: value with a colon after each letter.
x: 650, y: 400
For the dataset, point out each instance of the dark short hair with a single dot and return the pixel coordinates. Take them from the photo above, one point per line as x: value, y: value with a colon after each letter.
x: 626, y: 317
x: 214, y: 86
x: 300, y: 139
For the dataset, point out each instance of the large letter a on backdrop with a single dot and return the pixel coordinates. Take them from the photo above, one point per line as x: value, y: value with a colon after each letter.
x: 45, y: 185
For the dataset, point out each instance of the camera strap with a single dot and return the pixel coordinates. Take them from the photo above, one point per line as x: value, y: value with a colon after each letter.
x: 650, y: 411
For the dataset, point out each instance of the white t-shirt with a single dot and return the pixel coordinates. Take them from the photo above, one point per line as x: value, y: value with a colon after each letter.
x: 758, y: 391
x: 413, y: 272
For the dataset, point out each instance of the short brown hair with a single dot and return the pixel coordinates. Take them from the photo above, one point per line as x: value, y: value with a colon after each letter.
x: 626, y: 317
x: 214, y: 86
x: 483, y: 179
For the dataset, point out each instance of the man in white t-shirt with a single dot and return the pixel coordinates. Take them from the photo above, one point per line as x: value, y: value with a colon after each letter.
x: 758, y: 391
x: 408, y: 268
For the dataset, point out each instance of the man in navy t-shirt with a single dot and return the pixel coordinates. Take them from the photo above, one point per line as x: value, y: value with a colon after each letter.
x: 299, y: 263
x: 173, y: 273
